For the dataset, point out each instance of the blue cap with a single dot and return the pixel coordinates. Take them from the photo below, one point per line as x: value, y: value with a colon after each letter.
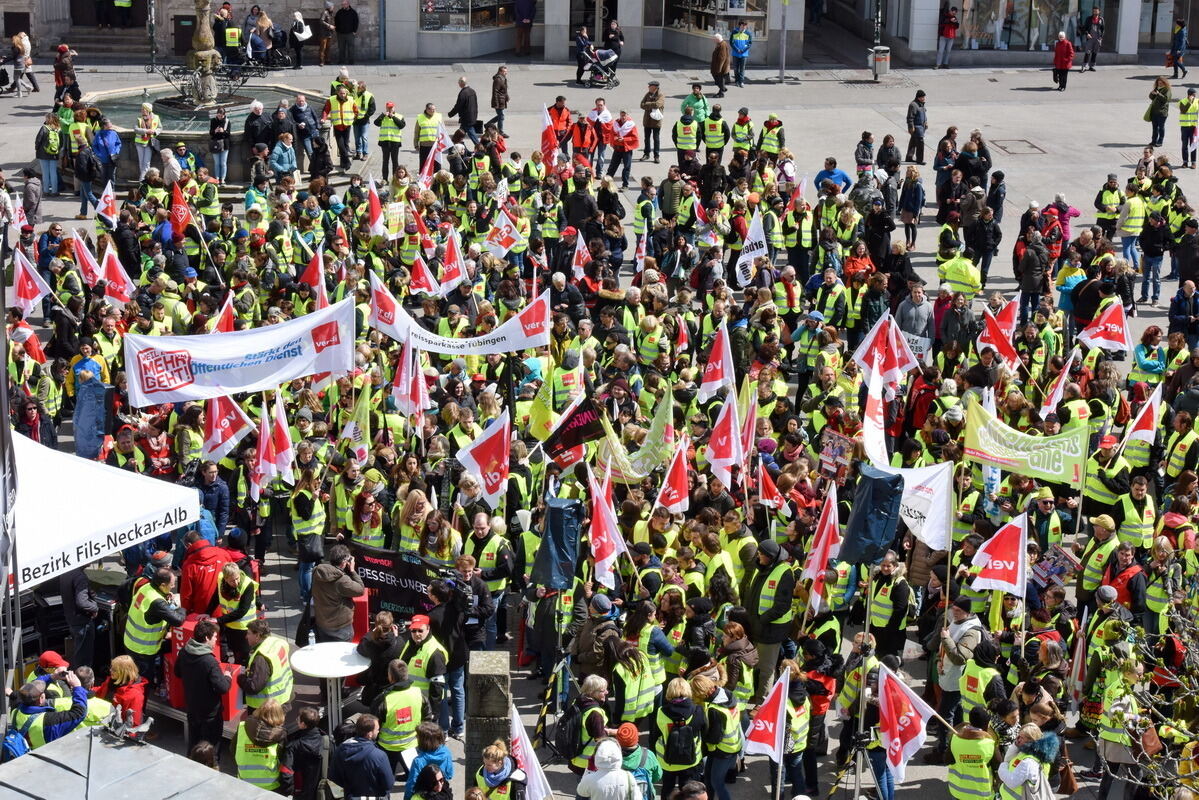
x: 816, y: 316
x: 188, y: 272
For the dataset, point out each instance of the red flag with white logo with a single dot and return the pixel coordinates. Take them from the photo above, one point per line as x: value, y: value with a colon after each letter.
x: 768, y: 730
x: 487, y: 458
x: 504, y: 235
x: 119, y: 285
x: 1144, y: 426
x: 885, y: 345
x: 639, y: 255
x: 1109, y: 330
x: 874, y: 433
x: 225, y: 424
x: 718, y: 371
x: 769, y: 494
x: 902, y: 721
x: 106, y: 210
x: 724, y: 446
x: 606, y: 541
x: 409, y: 389
x: 537, y: 787
x: 453, y: 264
x: 422, y: 280
x: 1006, y: 317
x: 581, y: 258
x: 674, y: 495
x: 1003, y: 559
x: 28, y: 285
x: 549, y: 141
x: 682, y: 340
x: 180, y: 214
x: 825, y: 545
x: 314, y: 276
x: 384, y: 310
x: 86, y: 260
x: 375, y: 217
x: 274, y: 455
x: 226, y: 317
x: 994, y: 336
x: 22, y: 332
x: 1054, y: 395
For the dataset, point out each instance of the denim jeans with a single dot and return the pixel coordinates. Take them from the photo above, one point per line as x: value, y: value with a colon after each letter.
x: 598, y: 162
x: 109, y: 173
x: 360, y: 138
x: 306, y: 581
x: 984, y: 266
x: 944, y: 48
x: 49, y: 175
x: 86, y: 196
x: 497, y: 120
x: 792, y: 773
x: 1152, y: 275
x: 1029, y: 301
x: 621, y: 158
x: 489, y: 630
x: 739, y: 70
x: 1131, y: 254
x: 882, y: 775
x: 452, y: 716
x: 1158, y: 127
x: 718, y: 765
x: 220, y: 165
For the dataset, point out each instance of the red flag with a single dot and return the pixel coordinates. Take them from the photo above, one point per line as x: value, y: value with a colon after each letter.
x: 1007, y: 318
x: 375, y: 218
x: 769, y: 494
x: 994, y: 336
x: 422, y: 280
x: 1109, y: 330
x: 1003, y: 559
x: 274, y: 455
x: 119, y: 285
x: 606, y: 541
x: 874, y: 436
x: 718, y: 371
x: 28, y: 286
x: 225, y: 318
x: 427, y: 245
x: 86, y: 260
x: 106, y: 210
x: 724, y: 446
x: 549, y: 141
x: 453, y: 264
x: 314, y: 276
x: 180, y: 213
x: 886, y: 343
x: 1054, y: 395
x: 1144, y: 426
x: 385, y: 310
x: 825, y: 545
x: 581, y: 257
x: 487, y: 457
x: 682, y: 340
x: 22, y: 332
x: 639, y: 255
x: 1078, y: 663
x: 225, y: 424
x: 409, y: 389
x: 902, y: 721
x: 675, y: 495
x: 768, y: 730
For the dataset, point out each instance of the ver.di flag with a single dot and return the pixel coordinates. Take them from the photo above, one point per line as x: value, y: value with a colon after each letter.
x: 1144, y: 425
x: 826, y: 544
x: 754, y: 247
x: 165, y: 369
x: 607, y: 543
x: 357, y: 430
x: 225, y: 424
x: 885, y: 345
x: 874, y: 435
x: 902, y: 721
x: 724, y: 445
x: 274, y: 456
x: 487, y: 458
x: 674, y: 495
x: 768, y: 730
x: 1003, y: 559
x: 226, y: 317
x: 1054, y: 395
x: 85, y: 259
x: 28, y: 286
x: 718, y: 370
x: 536, y: 785
x: 1109, y: 330
x: 995, y: 337
x: 117, y: 283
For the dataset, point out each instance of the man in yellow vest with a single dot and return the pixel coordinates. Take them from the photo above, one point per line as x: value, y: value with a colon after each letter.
x: 153, y: 611
x: 1130, y: 223
x: 341, y: 111
x: 390, y: 124
x: 1107, y: 478
x: 268, y: 676
x: 1094, y: 557
x: 401, y: 708
x: 1188, y: 119
x: 424, y: 134
x: 34, y: 715
x: 236, y: 597
x: 769, y: 587
x: 685, y: 135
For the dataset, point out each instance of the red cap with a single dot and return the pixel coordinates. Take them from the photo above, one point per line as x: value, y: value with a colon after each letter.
x: 419, y: 621
x: 569, y: 230
x: 478, y: 376
x: 51, y: 660
x: 390, y: 104
x: 1108, y: 441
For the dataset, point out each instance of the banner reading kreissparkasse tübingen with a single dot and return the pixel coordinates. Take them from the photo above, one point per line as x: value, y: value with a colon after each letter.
x: 1059, y: 459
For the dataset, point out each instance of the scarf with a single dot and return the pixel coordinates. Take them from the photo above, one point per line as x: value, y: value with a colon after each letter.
x: 494, y: 779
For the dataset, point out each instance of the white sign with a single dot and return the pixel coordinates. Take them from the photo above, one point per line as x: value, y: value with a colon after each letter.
x: 920, y: 345
x: 166, y: 369
x: 755, y: 245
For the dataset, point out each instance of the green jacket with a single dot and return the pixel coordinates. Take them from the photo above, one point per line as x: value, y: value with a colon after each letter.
x: 698, y: 105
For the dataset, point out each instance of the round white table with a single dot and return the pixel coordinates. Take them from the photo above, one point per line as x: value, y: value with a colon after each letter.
x: 331, y: 661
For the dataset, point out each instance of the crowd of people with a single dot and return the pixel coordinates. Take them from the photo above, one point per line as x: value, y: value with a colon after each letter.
x: 672, y: 661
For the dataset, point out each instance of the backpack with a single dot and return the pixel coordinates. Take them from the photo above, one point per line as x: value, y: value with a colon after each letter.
x: 568, y: 732
x: 680, y: 744
x: 15, y: 745
x: 642, y: 777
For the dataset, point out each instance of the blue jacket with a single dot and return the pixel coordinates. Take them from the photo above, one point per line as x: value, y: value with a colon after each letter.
x: 911, y: 197
x: 1181, y: 309
x: 361, y: 769
x: 837, y: 176
x: 740, y: 45
x: 215, y: 497
x: 442, y: 757
x: 283, y: 159
x: 89, y: 418
x: 307, y: 117
x: 107, y: 146
x: 1178, y: 43
x: 59, y: 723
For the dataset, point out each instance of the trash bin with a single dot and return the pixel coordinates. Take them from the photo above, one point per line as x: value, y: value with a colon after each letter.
x: 880, y: 60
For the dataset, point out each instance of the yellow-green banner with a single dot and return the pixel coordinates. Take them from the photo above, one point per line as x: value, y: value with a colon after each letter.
x: 1057, y: 459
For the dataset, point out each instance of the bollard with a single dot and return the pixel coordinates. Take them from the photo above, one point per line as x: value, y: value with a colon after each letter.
x: 488, y: 696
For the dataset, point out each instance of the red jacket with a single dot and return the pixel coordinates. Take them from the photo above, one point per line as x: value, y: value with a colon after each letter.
x: 625, y: 137
x: 130, y: 697
x: 202, y: 564
x: 1063, y: 54
x: 560, y: 118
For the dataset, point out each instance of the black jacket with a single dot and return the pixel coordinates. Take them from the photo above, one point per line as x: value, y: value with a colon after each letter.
x: 466, y: 108
x: 766, y: 630
x: 78, y: 600
x: 983, y: 237
x: 304, y: 746
x: 257, y: 130
x: 380, y: 652
x: 203, y: 682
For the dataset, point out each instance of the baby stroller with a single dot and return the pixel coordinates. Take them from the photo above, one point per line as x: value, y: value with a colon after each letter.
x: 603, y: 69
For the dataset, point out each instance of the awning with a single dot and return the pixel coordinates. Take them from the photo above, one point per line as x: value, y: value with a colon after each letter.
x: 71, y: 511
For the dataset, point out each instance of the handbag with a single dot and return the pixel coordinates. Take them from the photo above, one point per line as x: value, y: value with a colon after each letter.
x: 1068, y: 784
x: 216, y: 146
x: 1147, y: 744
x: 304, y: 33
x: 1169, y: 59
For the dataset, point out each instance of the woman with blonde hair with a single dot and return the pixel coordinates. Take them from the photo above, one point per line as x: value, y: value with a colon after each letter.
x: 260, y: 752
x: 500, y: 776
x: 440, y: 543
x: 126, y: 688
x: 22, y: 62
x: 410, y: 520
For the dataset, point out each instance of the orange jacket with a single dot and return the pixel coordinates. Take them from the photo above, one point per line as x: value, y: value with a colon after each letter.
x: 582, y: 136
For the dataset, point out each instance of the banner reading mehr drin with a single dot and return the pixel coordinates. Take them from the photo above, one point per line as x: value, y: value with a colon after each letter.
x: 1058, y: 459
x: 166, y: 369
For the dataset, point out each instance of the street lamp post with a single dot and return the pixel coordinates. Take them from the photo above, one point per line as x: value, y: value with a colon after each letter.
x: 152, y: 30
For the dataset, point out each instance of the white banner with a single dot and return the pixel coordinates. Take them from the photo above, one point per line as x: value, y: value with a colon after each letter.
x: 164, y: 369
x: 927, y: 503
x: 920, y: 345
x: 755, y: 245
x: 529, y: 328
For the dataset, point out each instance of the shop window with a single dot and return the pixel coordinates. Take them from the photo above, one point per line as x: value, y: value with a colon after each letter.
x: 1016, y: 24
x: 716, y: 16
x: 465, y: 15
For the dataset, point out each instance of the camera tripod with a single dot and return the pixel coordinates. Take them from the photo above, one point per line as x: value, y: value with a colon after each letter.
x: 857, y: 762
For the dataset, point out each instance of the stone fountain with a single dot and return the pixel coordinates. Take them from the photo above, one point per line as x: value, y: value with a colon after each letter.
x: 204, y: 59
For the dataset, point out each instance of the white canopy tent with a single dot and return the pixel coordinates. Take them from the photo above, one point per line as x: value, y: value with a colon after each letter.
x: 70, y: 511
